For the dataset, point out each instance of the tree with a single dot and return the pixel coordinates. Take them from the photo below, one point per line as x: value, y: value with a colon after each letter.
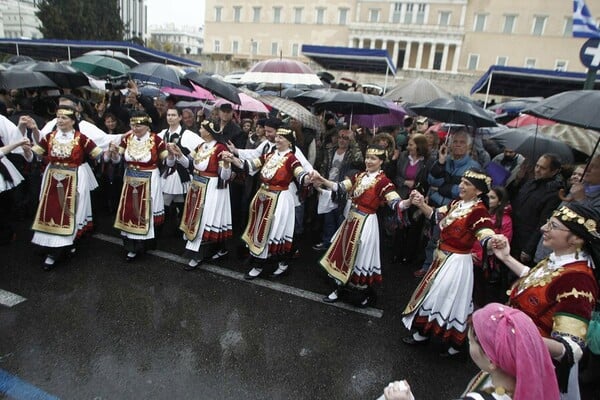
x: 80, y: 19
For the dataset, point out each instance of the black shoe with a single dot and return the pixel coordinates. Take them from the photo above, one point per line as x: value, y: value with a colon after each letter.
x: 282, y: 269
x: 220, y: 254
x: 329, y: 299
x: 49, y: 263
x: 446, y: 354
x: 192, y: 265
x: 410, y: 340
x: 130, y: 257
x: 253, y: 274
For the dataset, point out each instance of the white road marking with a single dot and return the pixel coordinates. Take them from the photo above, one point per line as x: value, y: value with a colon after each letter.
x: 305, y: 294
x: 10, y: 299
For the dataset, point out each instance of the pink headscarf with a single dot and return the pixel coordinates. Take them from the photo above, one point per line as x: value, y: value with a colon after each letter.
x: 512, y: 342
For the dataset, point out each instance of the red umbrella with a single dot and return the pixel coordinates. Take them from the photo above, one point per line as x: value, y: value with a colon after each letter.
x: 281, y: 71
x: 526, y: 119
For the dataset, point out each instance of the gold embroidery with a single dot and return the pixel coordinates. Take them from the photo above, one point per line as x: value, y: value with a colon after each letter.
x: 203, y: 154
x: 272, y: 165
x: 139, y: 149
x: 572, y: 326
x: 484, y: 233
x: 575, y: 293
x: 456, y: 213
x: 62, y: 150
x: 363, y: 184
x: 538, y: 276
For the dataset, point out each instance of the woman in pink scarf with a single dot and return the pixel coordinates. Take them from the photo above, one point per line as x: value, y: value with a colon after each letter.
x: 515, y: 363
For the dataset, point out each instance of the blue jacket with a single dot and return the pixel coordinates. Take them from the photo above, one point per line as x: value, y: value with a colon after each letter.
x: 446, y: 178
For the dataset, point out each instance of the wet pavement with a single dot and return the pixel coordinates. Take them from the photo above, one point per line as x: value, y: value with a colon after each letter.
x: 97, y: 327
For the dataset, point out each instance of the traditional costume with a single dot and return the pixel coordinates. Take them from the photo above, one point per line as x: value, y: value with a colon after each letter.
x: 65, y: 210
x: 442, y: 303
x: 141, y: 206
x: 9, y: 179
x: 560, y: 292
x: 176, y: 179
x: 207, y: 208
x: 353, y: 256
x: 270, y: 228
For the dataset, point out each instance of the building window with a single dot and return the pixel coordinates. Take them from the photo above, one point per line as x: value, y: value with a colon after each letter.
x: 276, y: 15
x: 479, y: 24
x: 408, y: 15
x: 274, y: 49
x: 509, y: 23
x: 444, y: 19
x: 217, y: 46
x: 421, y: 8
x: 374, y: 15
x: 253, y: 47
x: 298, y: 15
x: 397, y: 13
x: 235, y: 47
x: 343, y: 16
x: 530, y: 63
x: 568, y: 29
x: 320, y: 16
x: 539, y: 23
x: 502, y: 61
x: 256, y: 14
x: 473, y: 62
x: 295, y: 48
x: 561, y: 65
x: 218, y: 14
x: 237, y: 13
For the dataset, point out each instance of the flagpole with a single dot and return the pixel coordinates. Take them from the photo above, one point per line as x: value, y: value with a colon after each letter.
x: 590, y: 79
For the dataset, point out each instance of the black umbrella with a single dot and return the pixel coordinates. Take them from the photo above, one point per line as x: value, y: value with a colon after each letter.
x: 532, y: 144
x: 19, y: 60
x: 455, y: 111
x: 576, y: 107
x: 352, y: 103
x: 63, y: 75
x: 310, y: 97
x: 18, y: 79
x: 215, y: 86
x: 159, y: 74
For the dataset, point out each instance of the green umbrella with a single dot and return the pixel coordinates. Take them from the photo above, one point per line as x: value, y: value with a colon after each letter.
x: 99, y: 66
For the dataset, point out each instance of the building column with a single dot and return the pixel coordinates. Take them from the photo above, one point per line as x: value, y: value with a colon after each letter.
x: 405, y: 65
x: 361, y: 42
x: 419, y: 56
x: 384, y: 44
x: 443, y: 66
x: 456, y: 58
x: 395, y: 53
x: 431, y: 56
x: 372, y: 45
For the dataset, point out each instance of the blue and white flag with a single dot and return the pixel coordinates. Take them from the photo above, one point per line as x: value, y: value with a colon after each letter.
x: 584, y: 25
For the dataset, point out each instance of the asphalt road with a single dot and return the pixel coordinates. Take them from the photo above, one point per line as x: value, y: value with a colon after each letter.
x: 97, y: 327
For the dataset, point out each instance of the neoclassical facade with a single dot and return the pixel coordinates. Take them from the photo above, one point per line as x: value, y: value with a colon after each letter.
x: 438, y: 36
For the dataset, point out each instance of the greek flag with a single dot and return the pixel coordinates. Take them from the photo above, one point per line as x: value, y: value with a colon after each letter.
x: 584, y: 25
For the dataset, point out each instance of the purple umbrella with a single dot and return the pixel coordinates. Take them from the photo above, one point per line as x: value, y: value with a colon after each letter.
x: 395, y: 116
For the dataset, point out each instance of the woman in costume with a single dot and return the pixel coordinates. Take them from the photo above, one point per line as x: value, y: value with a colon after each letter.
x: 353, y: 256
x: 442, y: 303
x: 64, y: 212
x: 9, y: 179
x: 175, y: 178
x: 561, y: 291
x: 207, y: 209
x: 141, y: 206
x: 514, y: 361
x: 270, y: 228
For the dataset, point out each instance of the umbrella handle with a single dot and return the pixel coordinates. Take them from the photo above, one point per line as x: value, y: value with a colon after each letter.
x: 564, y: 197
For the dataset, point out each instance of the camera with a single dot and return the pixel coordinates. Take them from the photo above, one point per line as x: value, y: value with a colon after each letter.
x: 117, y: 82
